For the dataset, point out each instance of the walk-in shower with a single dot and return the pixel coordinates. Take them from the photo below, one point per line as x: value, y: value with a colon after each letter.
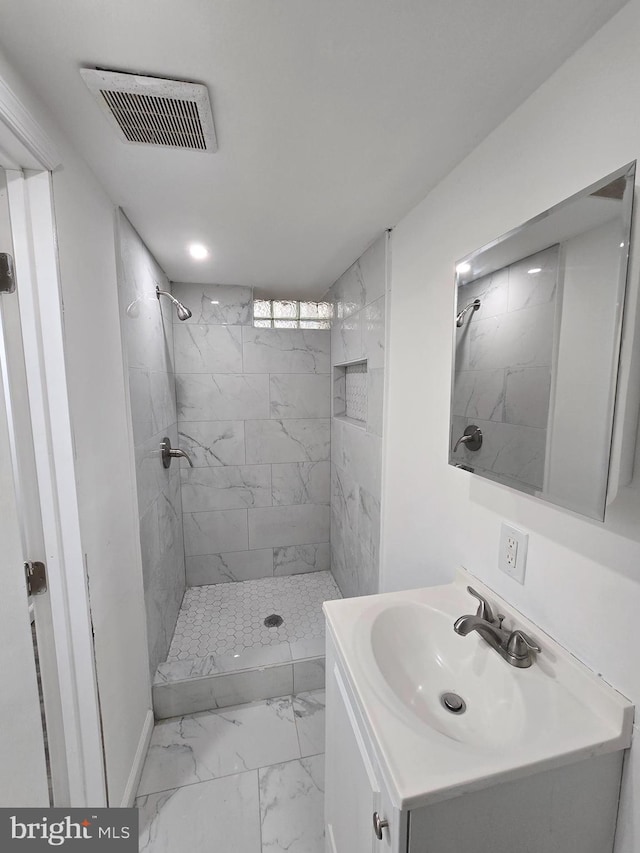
x: 237, y: 546
x: 236, y: 531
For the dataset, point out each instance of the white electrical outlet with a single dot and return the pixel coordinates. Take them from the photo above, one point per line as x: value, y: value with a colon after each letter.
x: 512, y: 556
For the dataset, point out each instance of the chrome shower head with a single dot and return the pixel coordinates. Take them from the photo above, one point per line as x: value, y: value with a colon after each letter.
x: 182, y: 310
x: 471, y: 306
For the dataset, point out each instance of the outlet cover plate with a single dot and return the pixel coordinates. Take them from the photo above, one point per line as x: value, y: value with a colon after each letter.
x: 513, y: 561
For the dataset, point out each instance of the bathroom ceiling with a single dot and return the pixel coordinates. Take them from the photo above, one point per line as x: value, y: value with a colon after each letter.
x: 333, y: 117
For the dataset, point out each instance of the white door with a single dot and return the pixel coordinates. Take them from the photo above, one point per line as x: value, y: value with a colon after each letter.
x: 23, y: 772
x: 37, y: 460
x: 23, y: 769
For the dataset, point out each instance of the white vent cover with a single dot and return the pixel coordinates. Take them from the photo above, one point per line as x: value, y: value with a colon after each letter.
x: 154, y: 111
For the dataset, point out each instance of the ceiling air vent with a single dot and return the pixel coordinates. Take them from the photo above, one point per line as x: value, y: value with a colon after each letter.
x: 154, y: 111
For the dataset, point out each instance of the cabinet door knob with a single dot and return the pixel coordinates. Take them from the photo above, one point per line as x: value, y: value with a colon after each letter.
x: 379, y: 825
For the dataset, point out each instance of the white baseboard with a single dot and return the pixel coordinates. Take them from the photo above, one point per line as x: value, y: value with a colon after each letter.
x: 129, y: 795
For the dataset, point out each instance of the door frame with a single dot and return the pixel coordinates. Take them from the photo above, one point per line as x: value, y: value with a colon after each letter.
x: 29, y: 156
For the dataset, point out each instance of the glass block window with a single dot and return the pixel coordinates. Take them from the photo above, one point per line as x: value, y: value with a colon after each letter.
x: 291, y: 314
x: 283, y: 309
x: 261, y: 308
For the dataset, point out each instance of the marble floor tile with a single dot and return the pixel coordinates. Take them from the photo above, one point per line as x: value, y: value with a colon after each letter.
x: 221, y: 815
x: 308, y: 710
x: 292, y: 806
x: 208, y: 745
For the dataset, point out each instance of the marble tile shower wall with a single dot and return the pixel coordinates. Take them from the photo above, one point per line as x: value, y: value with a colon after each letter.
x: 147, y: 326
x: 253, y: 413
x: 503, y: 367
x: 358, y: 333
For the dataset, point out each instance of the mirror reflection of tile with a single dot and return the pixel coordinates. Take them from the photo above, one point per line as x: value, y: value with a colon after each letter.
x: 503, y: 366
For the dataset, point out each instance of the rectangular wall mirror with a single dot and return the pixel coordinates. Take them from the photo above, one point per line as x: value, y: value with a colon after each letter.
x: 537, y: 344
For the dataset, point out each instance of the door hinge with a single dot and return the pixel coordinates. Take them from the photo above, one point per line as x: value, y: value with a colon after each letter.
x: 36, y: 575
x: 7, y: 273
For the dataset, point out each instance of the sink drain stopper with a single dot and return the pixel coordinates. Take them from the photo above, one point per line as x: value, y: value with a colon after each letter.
x: 453, y: 703
x: 273, y: 621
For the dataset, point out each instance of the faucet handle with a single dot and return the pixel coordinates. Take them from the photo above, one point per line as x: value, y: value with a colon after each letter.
x: 484, y: 608
x: 519, y: 645
x: 168, y: 453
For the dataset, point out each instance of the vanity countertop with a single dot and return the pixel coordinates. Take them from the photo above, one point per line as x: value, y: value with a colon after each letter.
x: 400, y: 653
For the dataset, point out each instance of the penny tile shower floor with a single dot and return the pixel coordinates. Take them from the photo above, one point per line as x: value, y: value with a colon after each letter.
x: 229, y: 617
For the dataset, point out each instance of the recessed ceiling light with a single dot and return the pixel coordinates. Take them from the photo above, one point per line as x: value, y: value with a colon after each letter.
x: 534, y: 270
x: 622, y: 245
x: 198, y: 251
x: 463, y: 268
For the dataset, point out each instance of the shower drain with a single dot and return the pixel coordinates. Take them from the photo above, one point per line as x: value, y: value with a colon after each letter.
x: 453, y: 703
x: 273, y: 621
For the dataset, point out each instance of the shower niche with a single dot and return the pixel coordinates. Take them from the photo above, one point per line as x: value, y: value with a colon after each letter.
x: 350, y: 392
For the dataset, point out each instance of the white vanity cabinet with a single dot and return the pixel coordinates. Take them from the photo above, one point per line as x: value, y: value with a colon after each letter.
x: 353, y: 781
x: 425, y: 789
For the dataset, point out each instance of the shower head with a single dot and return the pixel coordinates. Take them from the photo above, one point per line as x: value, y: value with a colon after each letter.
x: 182, y: 310
x: 472, y: 306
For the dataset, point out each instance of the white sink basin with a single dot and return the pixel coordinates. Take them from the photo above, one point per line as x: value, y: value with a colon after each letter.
x: 402, y: 655
x: 420, y: 657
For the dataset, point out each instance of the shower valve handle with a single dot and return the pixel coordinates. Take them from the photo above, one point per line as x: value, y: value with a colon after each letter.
x: 471, y: 438
x: 169, y: 453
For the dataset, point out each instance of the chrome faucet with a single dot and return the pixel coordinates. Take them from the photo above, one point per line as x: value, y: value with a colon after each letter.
x: 514, y: 646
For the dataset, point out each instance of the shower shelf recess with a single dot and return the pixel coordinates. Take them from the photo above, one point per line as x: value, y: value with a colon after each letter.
x: 350, y: 392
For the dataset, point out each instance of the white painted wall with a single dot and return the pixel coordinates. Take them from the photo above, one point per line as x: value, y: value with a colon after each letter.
x: 104, y: 471
x: 583, y: 577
